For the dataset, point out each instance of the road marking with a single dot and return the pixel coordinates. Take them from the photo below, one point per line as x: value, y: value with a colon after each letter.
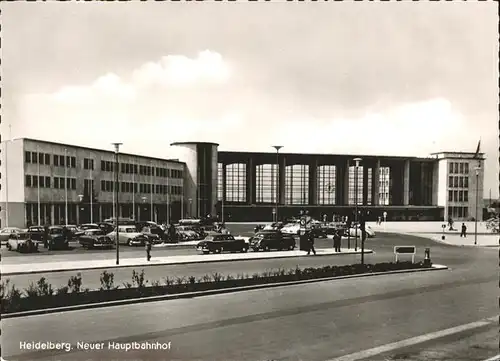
x: 415, y: 340
x: 494, y: 358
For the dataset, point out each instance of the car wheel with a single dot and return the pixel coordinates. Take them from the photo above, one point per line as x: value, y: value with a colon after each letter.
x: 266, y: 249
x: 291, y: 248
x: 129, y: 243
x: 218, y: 250
x: 244, y: 250
x: 206, y: 252
x: 9, y: 247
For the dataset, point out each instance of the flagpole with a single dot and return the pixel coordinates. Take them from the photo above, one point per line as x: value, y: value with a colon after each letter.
x: 151, y: 193
x: 168, y: 200
x: 133, y: 189
x: 66, y: 184
x: 7, y: 177
x: 38, y: 186
x: 91, y: 192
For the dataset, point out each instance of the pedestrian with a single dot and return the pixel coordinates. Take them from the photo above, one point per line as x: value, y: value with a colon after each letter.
x: 148, y: 250
x: 464, y: 231
x: 310, y: 243
x: 337, y: 238
x: 379, y: 220
x: 46, y: 236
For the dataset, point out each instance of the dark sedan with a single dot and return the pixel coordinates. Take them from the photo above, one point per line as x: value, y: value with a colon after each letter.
x: 95, y: 238
x: 37, y: 233
x: 57, y: 238
x: 222, y: 243
x: 269, y: 240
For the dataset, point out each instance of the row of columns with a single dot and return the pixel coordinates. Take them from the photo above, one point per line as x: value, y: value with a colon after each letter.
x: 342, y: 182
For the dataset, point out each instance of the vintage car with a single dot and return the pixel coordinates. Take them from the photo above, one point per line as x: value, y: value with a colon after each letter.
x: 37, y: 233
x: 86, y: 226
x: 184, y: 233
x: 6, y: 233
x: 72, y: 232
x: 370, y: 233
x: 217, y: 243
x: 268, y: 240
x: 128, y: 235
x: 148, y: 232
x: 95, y: 238
x: 291, y: 228
x: 22, y: 242
x: 57, y: 238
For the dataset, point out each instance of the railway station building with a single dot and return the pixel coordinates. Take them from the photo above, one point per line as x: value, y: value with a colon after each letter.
x: 49, y: 182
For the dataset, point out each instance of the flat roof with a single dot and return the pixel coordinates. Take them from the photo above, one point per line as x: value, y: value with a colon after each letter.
x: 455, y: 152
x: 326, y: 155
x: 101, y: 150
x: 197, y: 143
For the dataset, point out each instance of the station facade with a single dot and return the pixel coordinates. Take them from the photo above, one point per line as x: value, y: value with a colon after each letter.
x: 48, y: 182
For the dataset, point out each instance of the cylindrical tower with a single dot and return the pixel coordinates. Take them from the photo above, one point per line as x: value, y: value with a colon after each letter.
x: 200, y: 185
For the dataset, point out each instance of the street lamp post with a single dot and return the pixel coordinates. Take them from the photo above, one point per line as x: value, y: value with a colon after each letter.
x: 277, y: 147
x: 477, y: 169
x: 117, y: 150
x: 190, y: 207
x: 357, y: 160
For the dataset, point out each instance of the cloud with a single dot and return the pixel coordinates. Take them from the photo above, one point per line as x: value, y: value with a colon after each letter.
x: 179, y: 70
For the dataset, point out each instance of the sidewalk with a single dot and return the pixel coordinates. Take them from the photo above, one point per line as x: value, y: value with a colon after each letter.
x: 428, y: 227
x: 491, y: 240
x: 16, y: 269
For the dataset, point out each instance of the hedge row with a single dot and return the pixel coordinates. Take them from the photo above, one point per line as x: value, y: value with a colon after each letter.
x: 41, y: 295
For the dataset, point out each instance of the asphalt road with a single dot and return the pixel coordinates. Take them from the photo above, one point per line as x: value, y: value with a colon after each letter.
x: 311, y: 322
x: 382, y: 245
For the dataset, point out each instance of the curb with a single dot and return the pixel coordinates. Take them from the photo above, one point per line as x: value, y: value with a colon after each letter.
x: 4, y: 274
x: 434, y: 267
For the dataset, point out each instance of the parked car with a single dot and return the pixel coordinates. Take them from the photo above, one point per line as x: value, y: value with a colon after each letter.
x: 72, y: 232
x: 7, y: 232
x: 370, y: 233
x: 106, y: 227
x: 86, y: 226
x: 153, y: 237
x: 128, y: 235
x: 22, y: 242
x: 291, y: 228
x: 95, y: 238
x: 218, y: 243
x: 268, y: 240
x: 57, y: 238
x: 37, y: 233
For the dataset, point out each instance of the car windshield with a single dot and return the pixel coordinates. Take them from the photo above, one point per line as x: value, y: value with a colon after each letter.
x: 55, y: 231
x: 128, y: 230
x: 95, y: 233
x: 209, y: 238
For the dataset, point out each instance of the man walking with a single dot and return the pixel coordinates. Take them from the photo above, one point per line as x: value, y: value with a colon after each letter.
x: 310, y: 238
x: 337, y: 238
x: 148, y: 250
x: 464, y: 231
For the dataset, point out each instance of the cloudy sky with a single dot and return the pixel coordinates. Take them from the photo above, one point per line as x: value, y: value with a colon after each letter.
x: 368, y: 78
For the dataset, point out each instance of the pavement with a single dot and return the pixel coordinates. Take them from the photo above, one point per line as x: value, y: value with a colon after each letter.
x: 433, y: 230
x: 74, y: 265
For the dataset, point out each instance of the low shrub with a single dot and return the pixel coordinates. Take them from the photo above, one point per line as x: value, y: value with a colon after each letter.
x: 107, y: 281
x: 41, y: 294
